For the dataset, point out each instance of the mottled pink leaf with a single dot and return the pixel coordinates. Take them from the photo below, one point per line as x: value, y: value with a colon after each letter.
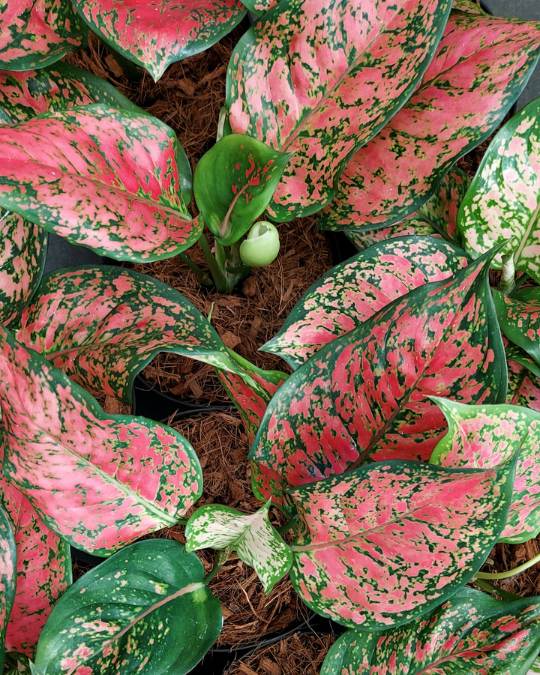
x: 43, y: 571
x: 519, y: 318
x: 480, y: 67
x: 388, y: 542
x: 319, y: 78
x: 23, y: 246
x: 523, y: 386
x: 355, y: 290
x: 101, y: 177
x: 7, y: 576
x: 99, y: 481
x: 36, y: 33
x: 156, y: 33
x: 483, y: 437
x: 365, y: 396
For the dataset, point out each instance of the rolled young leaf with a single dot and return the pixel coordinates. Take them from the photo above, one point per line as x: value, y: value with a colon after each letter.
x: 156, y: 33
x: 385, y: 544
x: 146, y: 609
x: 365, y: 396
x: 36, y: 33
x: 7, y: 576
x: 519, y: 318
x: 252, y: 536
x: 353, y: 291
x: 470, y: 633
x: 502, y: 204
x: 43, y: 571
x: 35, y: 92
x: 437, y: 216
x: 483, y: 437
x: 319, y: 79
x: 23, y: 247
x: 103, y: 178
x: 233, y: 184
x: 481, y: 66
x: 100, y: 481
x: 102, y: 325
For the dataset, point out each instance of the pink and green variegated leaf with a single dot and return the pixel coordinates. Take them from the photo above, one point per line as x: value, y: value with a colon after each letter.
x: 365, y: 396
x: 483, y: 437
x: 352, y: 292
x: 7, y: 576
x: 35, y: 92
x: 23, y: 247
x: 469, y: 6
x: 519, y: 318
x: 385, y: 544
x: 99, y: 481
x: 319, y: 78
x: 43, y: 571
x: 251, y: 536
x: 437, y: 216
x: 101, y: 325
x: 233, y: 184
x: 251, y: 398
x: 260, y: 6
x: 480, y: 68
x: 102, y: 177
x: 470, y: 633
x: 36, y: 33
x: 502, y: 204
x: 523, y: 386
x: 156, y: 33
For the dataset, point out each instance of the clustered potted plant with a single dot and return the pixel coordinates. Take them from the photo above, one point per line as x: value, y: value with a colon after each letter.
x: 396, y: 445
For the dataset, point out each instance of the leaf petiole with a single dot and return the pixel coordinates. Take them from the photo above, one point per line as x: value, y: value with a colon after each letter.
x: 509, y: 573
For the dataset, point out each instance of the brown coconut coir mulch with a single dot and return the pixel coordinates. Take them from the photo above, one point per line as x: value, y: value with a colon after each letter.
x: 189, y: 98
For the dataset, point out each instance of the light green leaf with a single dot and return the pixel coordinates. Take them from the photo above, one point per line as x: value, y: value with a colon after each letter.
x: 252, y: 536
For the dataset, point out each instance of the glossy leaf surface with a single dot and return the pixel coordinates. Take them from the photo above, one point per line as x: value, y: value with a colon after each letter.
x: 156, y: 33
x: 43, y: 571
x: 23, y: 247
x: 365, y: 395
x: 146, y: 609
x: 319, y: 78
x: 523, y: 386
x: 483, y: 437
x: 470, y: 633
x: 99, y: 481
x: 502, y: 205
x: 480, y: 67
x: 353, y: 291
x: 436, y: 217
x: 388, y: 542
x: 36, y: 33
x: 101, y: 325
x: 7, y: 576
x: 35, y: 92
x: 233, y: 184
x: 102, y: 178
x: 251, y: 536
x: 519, y: 318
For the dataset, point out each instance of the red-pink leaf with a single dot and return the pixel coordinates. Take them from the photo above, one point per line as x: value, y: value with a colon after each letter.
x: 319, y: 78
x: 35, y: 33
x: 156, y: 33
x: 523, y: 386
x: 387, y: 543
x: 43, y: 571
x: 99, y: 481
x: 101, y: 177
x: 355, y: 290
x: 365, y: 396
x: 480, y: 67
x: 483, y: 437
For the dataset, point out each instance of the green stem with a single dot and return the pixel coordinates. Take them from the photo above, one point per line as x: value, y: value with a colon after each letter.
x: 221, y: 559
x: 509, y: 573
x: 288, y: 525
x: 508, y: 276
x: 202, y: 275
x: 275, y: 376
x: 217, y: 273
